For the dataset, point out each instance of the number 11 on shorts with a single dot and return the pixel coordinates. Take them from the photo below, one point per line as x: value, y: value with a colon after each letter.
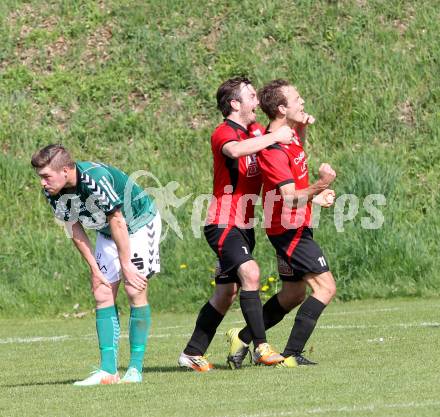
x: 321, y: 260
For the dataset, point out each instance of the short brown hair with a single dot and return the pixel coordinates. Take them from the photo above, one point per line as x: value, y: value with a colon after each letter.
x: 57, y: 156
x: 271, y: 96
x: 228, y: 91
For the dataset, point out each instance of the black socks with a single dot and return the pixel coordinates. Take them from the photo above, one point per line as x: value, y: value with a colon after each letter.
x: 206, y: 325
x: 305, y: 322
x: 252, y: 310
x: 273, y: 313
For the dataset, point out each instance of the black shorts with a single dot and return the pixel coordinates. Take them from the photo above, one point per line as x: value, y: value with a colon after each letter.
x: 298, y: 254
x: 233, y: 247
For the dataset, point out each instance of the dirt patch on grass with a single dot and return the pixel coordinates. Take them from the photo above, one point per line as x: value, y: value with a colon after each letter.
x: 97, y: 45
x: 26, y: 12
x: 138, y: 100
x: 401, y: 24
x: 29, y: 19
x: 406, y: 112
x: 40, y: 59
x: 211, y: 39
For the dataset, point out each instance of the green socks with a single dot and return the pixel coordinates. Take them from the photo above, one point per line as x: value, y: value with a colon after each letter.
x: 139, y: 326
x: 107, y: 327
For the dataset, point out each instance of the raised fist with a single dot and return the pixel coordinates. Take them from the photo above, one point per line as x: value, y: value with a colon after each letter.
x: 326, y: 174
x: 325, y: 199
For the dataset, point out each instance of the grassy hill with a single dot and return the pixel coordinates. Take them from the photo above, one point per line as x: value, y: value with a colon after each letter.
x: 132, y: 83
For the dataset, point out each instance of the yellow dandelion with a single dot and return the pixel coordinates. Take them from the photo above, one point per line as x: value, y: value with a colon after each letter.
x: 264, y: 288
x: 271, y: 279
x: 183, y: 266
x: 213, y: 283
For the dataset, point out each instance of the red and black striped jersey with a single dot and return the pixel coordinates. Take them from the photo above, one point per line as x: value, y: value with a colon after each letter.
x: 280, y: 165
x: 237, y: 182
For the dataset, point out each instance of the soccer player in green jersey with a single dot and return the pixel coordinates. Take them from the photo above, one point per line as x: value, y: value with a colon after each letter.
x: 101, y: 197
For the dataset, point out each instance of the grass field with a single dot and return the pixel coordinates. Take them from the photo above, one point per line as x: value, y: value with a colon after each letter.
x: 132, y: 83
x: 376, y: 358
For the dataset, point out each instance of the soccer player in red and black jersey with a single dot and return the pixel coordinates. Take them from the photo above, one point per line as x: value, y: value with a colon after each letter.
x: 287, y: 201
x: 237, y: 184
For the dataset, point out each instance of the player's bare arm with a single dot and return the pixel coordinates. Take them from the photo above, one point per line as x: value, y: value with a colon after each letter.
x: 82, y: 243
x: 298, y: 198
x: 237, y: 149
x: 119, y: 232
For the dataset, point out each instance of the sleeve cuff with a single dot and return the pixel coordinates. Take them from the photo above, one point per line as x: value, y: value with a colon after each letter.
x: 228, y: 141
x: 117, y: 207
x: 289, y: 181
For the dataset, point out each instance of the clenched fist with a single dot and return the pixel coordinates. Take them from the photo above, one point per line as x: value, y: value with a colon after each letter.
x: 308, y: 119
x: 325, y: 199
x: 326, y: 174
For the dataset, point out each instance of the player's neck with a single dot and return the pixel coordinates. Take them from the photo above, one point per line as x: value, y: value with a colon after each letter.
x: 277, y: 123
x: 237, y: 119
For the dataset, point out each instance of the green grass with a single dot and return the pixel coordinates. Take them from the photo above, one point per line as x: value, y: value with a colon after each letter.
x: 358, y: 374
x: 132, y: 83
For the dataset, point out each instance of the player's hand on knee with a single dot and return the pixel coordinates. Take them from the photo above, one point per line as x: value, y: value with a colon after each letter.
x: 133, y: 277
x: 97, y: 279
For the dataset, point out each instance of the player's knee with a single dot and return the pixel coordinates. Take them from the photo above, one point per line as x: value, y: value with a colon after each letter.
x: 330, y: 284
x: 326, y: 287
x: 251, y: 278
x: 103, y: 295
x: 134, y: 293
x: 253, y: 281
x: 332, y: 290
x: 327, y: 294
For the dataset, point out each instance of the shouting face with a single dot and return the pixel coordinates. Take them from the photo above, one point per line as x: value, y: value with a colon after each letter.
x: 294, y: 111
x: 248, y: 104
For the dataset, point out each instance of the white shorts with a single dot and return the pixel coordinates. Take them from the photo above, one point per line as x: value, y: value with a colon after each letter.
x: 144, y: 248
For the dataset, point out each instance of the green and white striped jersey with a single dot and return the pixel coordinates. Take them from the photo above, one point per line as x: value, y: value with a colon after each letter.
x: 100, y: 190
